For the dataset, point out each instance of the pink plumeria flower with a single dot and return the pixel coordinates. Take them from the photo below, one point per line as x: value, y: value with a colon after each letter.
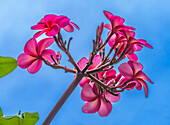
x: 51, y: 25
x: 127, y: 37
x: 97, y: 101
x: 106, y: 76
x: 116, y: 23
x: 82, y: 63
x: 120, y: 40
x: 133, y: 71
x: 34, y: 53
x: 131, y: 40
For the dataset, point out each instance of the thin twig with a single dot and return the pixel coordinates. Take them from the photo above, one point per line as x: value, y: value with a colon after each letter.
x: 69, y: 55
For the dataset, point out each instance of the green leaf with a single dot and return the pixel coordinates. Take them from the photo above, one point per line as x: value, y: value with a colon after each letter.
x: 23, y: 119
x: 7, y: 65
x: 1, y: 114
x: 30, y: 118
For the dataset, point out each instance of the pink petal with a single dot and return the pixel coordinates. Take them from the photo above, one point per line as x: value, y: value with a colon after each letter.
x: 136, y: 66
x: 95, y: 88
x: 110, y: 75
x: 91, y: 107
x: 43, y: 44
x: 54, y: 31
x: 38, y: 27
x: 46, y: 54
x: 87, y: 93
x: 130, y: 85
x: 143, y: 42
x: 49, y: 19
x: 82, y: 63
x: 129, y: 34
x: 35, y: 66
x: 137, y: 47
x: 111, y: 97
x: 127, y: 28
x: 25, y: 60
x: 101, y: 74
x: 30, y: 47
x: 39, y: 33
x: 145, y: 86
x: 42, y: 21
x: 108, y: 14
x: 138, y: 85
x: 96, y: 62
x: 117, y: 21
x: 125, y: 70
x: 105, y: 108
x: 69, y: 28
x: 112, y: 40
x: 63, y: 22
x: 122, y: 81
x: 143, y: 76
x: 59, y: 18
x: 75, y: 25
x: 132, y: 57
x: 118, y: 78
x: 84, y: 81
x: 108, y: 26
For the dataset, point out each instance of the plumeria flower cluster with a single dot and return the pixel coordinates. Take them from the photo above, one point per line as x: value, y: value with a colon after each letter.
x: 101, y: 84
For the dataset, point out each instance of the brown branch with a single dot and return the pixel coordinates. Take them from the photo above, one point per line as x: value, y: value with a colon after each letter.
x: 68, y: 54
x: 60, y: 67
x: 108, y: 54
x: 97, y: 81
x: 64, y: 97
x: 108, y: 38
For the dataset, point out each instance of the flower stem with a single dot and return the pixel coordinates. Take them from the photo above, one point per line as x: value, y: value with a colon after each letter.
x: 64, y: 97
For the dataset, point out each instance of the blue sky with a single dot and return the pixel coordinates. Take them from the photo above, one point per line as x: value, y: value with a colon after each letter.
x: 39, y: 92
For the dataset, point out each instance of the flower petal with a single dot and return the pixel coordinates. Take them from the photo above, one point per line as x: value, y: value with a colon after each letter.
x: 82, y: 63
x: 83, y: 81
x: 54, y: 30
x: 46, y: 54
x: 108, y: 14
x: 110, y: 75
x: 136, y: 66
x: 35, y: 66
x: 118, y: 77
x: 43, y: 44
x: 143, y: 76
x: 138, y: 85
x: 96, y: 62
x: 39, y: 33
x: 75, y: 25
x: 125, y: 70
x: 105, y: 108
x: 145, y: 86
x: 108, y: 26
x: 64, y: 22
x: 101, y: 74
x: 49, y: 19
x: 143, y: 42
x: 87, y: 93
x: 30, y: 47
x: 111, y: 97
x: 112, y: 40
x: 69, y: 28
x: 132, y: 57
x: 122, y: 81
x: 38, y: 27
x: 91, y: 107
x: 25, y: 60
